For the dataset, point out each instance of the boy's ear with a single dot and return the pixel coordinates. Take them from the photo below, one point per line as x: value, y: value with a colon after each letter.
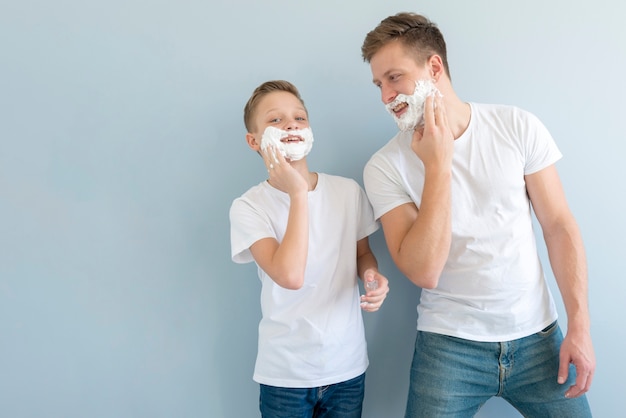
x: 252, y: 142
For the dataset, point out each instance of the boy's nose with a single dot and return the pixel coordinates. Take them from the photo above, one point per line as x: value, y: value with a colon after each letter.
x: 292, y: 125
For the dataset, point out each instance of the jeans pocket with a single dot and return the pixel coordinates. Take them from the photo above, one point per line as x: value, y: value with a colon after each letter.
x: 549, y: 329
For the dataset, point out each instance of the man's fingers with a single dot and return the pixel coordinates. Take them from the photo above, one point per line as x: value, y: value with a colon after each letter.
x: 429, y: 111
x: 584, y: 376
x: 440, y: 111
x: 563, y: 372
x: 575, y: 391
x: 582, y: 385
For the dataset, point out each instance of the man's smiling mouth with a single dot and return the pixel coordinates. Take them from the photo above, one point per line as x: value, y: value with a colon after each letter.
x: 399, y: 108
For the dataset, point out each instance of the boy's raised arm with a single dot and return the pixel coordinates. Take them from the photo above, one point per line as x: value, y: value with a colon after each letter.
x: 285, y: 262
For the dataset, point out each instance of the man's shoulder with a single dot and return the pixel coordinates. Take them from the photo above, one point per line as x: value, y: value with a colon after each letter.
x: 395, y: 145
x: 498, y: 110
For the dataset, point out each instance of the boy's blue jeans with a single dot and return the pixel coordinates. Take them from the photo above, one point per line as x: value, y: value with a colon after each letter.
x: 341, y: 400
x: 453, y: 377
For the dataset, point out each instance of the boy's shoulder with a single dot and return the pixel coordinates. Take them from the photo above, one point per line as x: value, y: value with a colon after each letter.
x: 339, y: 188
x: 336, y: 180
x: 254, y: 194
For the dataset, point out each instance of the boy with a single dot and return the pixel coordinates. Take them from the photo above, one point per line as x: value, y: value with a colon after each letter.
x: 307, y: 233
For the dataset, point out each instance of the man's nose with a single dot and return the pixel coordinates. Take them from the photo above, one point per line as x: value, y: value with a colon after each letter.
x: 387, y: 94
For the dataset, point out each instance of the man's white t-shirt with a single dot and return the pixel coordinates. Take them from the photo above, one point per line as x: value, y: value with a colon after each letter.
x: 312, y: 336
x: 492, y: 287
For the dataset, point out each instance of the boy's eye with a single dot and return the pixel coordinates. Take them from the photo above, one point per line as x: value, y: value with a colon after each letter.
x: 300, y: 118
x: 275, y: 120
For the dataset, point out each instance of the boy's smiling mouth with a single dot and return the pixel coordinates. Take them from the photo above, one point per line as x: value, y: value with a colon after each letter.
x: 293, y: 144
x: 291, y: 138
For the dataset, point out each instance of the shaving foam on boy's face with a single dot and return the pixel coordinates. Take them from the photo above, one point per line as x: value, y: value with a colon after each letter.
x: 413, y: 116
x: 293, y: 145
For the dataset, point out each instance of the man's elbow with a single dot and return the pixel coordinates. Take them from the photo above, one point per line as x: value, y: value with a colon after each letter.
x: 424, y: 273
x: 424, y: 280
x: 425, y: 283
x: 430, y: 283
x: 292, y: 282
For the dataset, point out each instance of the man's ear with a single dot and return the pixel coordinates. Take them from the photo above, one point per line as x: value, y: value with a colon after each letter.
x: 436, y: 67
x: 252, y: 142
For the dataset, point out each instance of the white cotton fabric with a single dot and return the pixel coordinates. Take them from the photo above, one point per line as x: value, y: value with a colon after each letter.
x: 312, y: 336
x: 492, y: 287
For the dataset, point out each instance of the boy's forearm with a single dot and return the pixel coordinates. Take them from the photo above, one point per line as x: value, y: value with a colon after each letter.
x: 366, y: 261
x: 291, y: 255
x: 365, y: 258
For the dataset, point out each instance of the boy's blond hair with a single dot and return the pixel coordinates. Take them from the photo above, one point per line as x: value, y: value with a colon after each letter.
x: 260, y: 92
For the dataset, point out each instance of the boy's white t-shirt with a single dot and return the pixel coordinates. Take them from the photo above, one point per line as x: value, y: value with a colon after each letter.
x: 312, y: 336
x: 492, y: 287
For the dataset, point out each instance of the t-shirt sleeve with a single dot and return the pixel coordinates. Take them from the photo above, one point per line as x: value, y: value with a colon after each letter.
x: 384, y: 190
x: 247, y: 226
x: 540, y: 149
x: 367, y: 223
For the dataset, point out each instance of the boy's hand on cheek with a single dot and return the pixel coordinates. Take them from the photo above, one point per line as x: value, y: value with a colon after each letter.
x: 282, y: 175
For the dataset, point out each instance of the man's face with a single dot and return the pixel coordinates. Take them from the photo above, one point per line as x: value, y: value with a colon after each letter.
x: 396, y: 72
x: 410, y: 108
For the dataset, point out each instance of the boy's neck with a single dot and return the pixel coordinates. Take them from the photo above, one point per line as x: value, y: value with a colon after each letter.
x: 302, y: 168
x: 312, y: 179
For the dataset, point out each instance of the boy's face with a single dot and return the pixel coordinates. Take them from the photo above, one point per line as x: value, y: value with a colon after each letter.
x: 281, y: 110
x: 396, y: 72
x: 280, y: 120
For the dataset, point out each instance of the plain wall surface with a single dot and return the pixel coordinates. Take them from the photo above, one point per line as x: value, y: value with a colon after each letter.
x: 122, y: 147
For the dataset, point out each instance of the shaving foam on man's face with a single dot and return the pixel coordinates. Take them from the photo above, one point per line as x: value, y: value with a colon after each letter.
x: 293, y: 145
x: 413, y: 115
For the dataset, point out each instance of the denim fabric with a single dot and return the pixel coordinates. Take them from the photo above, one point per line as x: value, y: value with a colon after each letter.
x: 341, y: 400
x: 453, y: 377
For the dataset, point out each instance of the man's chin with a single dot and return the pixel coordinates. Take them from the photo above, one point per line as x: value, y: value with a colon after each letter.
x: 405, y: 125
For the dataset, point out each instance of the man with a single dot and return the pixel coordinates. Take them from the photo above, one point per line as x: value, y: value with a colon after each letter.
x: 453, y: 191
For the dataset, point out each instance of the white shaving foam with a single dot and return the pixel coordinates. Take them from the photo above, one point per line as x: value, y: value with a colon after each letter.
x: 293, y: 151
x: 413, y: 117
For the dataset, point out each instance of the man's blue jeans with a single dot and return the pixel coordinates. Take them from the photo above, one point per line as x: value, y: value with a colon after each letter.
x: 341, y: 400
x: 453, y: 377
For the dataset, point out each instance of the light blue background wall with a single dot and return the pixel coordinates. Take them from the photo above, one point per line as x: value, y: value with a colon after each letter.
x: 122, y: 147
